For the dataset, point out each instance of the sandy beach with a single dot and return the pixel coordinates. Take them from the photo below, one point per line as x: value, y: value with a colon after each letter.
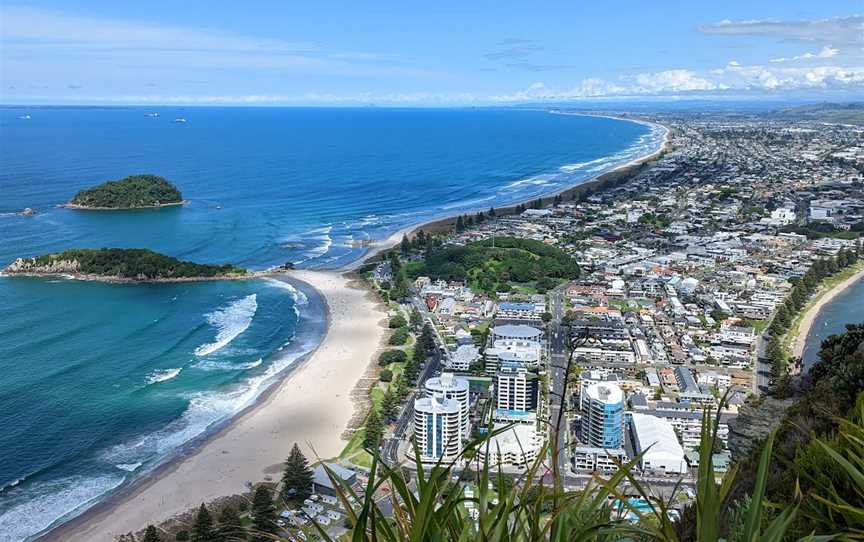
x: 799, y: 341
x: 312, y: 407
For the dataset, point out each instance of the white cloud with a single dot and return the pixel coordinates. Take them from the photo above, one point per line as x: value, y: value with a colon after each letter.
x: 826, y: 52
x: 38, y: 39
x: 673, y: 81
x: 838, y: 30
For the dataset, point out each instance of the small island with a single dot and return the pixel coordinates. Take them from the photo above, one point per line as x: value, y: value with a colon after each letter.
x: 132, y: 192
x: 122, y: 265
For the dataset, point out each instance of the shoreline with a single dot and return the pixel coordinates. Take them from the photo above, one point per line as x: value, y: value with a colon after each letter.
x: 447, y: 222
x: 311, y: 405
x: 77, y: 207
x: 799, y: 340
x: 134, y: 507
x: 250, y: 275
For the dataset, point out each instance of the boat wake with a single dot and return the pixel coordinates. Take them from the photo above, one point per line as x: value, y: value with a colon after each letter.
x: 230, y: 322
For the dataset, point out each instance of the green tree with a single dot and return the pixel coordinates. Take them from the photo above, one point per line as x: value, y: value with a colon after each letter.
x: 202, y: 531
x: 263, y: 513
x: 389, y: 406
x: 400, y: 387
x: 151, y: 535
x: 416, y: 319
x: 374, y: 429
x: 405, y: 245
x: 427, y: 337
x: 547, y: 317
x: 229, y: 528
x: 397, y: 321
x: 296, y: 477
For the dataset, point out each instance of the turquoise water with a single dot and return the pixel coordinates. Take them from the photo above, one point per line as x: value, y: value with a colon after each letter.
x: 102, y: 383
x: 846, y: 308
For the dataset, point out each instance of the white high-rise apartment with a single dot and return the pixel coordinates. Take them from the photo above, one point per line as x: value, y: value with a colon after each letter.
x: 438, y: 427
x: 451, y: 387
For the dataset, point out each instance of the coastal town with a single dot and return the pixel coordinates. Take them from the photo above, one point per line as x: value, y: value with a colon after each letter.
x: 683, y: 268
x: 557, y: 340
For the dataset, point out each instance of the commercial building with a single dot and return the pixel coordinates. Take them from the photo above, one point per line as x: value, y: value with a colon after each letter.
x: 656, y: 438
x: 588, y: 458
x: 438, y: 427
x: 518, y: 446
x: 603, y: 415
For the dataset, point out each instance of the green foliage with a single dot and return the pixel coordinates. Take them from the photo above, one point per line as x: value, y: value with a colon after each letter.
x: 389, y: 406
x: 486, y: 267
x: 386, y: 375
x: 433, y: 507
x: 263, y: 514
x: 800, y: 466
x: 397, y: 322
x: 151, y: 535
x: 202, y: 531
x: 416, y: 318
x: 135, y: 263
x: 130, y: 192
x: 229, y: 527
x: 399, y: 337
x: 296, y: 477
x: 819, y: 230
x: 181, y: 536
x: 373, y: 430
x: 794, y: 302
x: 392, y: 356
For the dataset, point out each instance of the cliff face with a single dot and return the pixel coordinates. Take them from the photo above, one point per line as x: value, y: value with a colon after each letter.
x: 754, y: 422
x: 54, y: 267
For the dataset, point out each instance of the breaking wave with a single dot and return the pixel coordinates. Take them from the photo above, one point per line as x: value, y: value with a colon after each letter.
x: 230, y: 322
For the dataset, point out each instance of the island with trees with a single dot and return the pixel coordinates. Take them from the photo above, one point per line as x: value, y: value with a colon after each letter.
x: 122, y: 265
x: 132, y: 192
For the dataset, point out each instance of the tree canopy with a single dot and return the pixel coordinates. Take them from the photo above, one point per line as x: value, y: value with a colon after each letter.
x: 488, y: 264
x: 131, y: 192
x: 296, y: 477
x: 132, y: 263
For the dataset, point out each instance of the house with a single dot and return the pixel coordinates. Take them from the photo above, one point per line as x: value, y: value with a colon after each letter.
x: 321, y: 482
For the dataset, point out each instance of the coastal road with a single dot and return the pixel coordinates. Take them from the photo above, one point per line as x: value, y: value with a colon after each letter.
x: 390, y: 446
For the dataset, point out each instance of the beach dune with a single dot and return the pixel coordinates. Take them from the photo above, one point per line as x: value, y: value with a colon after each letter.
x: 312, y: 407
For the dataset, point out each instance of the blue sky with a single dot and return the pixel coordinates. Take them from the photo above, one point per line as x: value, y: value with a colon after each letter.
x: 426, y: 53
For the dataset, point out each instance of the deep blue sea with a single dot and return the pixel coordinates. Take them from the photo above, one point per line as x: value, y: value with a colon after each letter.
x: 102, y: 383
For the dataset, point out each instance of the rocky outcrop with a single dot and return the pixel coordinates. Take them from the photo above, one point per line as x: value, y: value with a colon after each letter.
x: 754, y: 423
x: 53, y: 267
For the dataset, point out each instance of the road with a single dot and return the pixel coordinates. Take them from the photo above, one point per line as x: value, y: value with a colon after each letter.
x: 557, y: 341
x: 390, y: 446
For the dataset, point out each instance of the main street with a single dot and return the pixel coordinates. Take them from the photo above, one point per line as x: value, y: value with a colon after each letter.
x: 557, y: 341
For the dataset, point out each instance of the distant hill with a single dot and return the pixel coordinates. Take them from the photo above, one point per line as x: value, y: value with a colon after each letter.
x: 132, y: 192
x: 843, y: 113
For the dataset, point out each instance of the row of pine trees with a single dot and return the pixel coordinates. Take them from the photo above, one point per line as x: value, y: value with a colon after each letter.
x: 804, y: 288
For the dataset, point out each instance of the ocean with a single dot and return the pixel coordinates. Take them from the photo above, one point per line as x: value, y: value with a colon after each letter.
x: 103, y: 383
x: 846, y: 308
